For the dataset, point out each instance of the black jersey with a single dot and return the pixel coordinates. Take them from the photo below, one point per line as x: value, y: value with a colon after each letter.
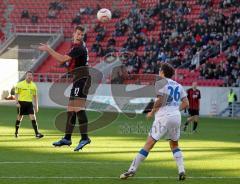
x: 79, y: 55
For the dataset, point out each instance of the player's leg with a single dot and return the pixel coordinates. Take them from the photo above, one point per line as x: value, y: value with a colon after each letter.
x: 22, y: 110
x: 70, y: 124
x: 178, y: 156
x: 189, y: 119
x: 80, y: 109
x: 140, y: 157
x: 195, y: 122
x: 173, y: 134
x: 18, y: 123
x: 35, y: 125
x: 230, y: 109
x: 157, y: 131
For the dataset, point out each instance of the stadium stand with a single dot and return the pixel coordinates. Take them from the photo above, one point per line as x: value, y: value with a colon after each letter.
x: 2, y: 20
x: 189, y: 34
x: 22, y: 49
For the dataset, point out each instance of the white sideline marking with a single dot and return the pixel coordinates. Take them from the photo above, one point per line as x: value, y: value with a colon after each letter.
x: 59, y: 162
x: 110, y: 177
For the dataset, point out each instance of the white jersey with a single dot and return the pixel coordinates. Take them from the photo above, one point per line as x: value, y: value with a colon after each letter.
x: 174, y: 93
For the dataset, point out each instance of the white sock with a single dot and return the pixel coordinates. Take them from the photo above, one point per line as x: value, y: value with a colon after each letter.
x: 177, y: 153
x: 141, y: 156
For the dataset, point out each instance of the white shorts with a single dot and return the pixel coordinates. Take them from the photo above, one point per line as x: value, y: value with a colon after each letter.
x: 167, y: 127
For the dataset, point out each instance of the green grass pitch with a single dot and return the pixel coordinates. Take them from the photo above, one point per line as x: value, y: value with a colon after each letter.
x: 211, y: 156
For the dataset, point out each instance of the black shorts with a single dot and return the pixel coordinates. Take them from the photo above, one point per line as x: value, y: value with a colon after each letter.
x: 193, y: 112
x: 80, y: 88
x: 26, y: 108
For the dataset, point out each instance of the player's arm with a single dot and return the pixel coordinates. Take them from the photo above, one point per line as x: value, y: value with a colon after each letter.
x: 16, y: 95
x: 35, y: 99
x: 188, y: 93
x: 59, y: 57
x: 199, y: 96
x: 16, y: 100
x: 184, y: 104
x: 157, y: 104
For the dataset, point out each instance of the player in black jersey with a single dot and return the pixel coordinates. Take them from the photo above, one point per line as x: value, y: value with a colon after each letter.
x: 77, y: 59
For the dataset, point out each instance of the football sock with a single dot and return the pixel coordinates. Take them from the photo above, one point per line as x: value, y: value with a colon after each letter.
x: 195, y: 124
x: 71, y: 121
x: 186, y: 123
x: 177, y: 154
x: 141, y: 156
x: 83, y: 124
x: 17, y: 125
x: 35, y: 126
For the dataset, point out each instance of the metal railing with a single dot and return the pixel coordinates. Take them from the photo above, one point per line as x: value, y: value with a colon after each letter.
x: 50, y: 29
x: 52, y: 77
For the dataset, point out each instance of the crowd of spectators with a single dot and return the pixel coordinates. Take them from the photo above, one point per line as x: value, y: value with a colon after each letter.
x: 180, y: 40
x: 228, y: 69
x: 26, y: 15
x: 53, y: 10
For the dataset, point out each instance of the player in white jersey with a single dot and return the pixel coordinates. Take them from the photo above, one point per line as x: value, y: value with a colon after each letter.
x: 171, y: 99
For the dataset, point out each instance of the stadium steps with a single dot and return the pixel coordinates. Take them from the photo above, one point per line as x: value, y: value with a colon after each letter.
x: 21, y: 50
x: 236, y: 110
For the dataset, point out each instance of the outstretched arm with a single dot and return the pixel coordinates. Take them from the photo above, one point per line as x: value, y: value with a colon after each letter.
x: 59, y: 57
x: 184, y: 104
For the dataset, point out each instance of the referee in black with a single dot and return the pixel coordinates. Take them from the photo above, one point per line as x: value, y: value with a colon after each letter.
x: 77, y: 59
x: 25, y: 93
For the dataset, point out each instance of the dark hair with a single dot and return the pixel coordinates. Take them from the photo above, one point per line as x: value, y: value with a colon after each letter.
x: 80, y: 27
x: 29, y: 72
x: 168, y: 70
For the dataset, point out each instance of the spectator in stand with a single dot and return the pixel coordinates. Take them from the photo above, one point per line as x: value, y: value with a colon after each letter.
x: 110, y: 49
x: 77, y: 19
x: 111, y: 41
x: 98, y: 7
x: 101, y: 35
x: 116, y: 13
x: 237, y: 84
x: 101, y: 32
x: 97, y: 48
x: 53, y: 5
x: 88, y: 11
x: 25, y: 14
x: 57, y: 5
x: 180, y: 38
x: 34, y: 18
x: 52, y: 13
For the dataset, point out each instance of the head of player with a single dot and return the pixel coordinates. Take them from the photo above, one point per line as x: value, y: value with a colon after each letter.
x: 29, y: 76
x: 194, y: 85
x: 166, y: 71
x: 78, y: 34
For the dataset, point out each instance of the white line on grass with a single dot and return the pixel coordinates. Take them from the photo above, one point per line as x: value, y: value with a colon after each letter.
x: 59, y: 162
x: 110, y: 177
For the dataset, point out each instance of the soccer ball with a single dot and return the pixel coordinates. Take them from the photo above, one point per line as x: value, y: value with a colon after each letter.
x: 104, y: 15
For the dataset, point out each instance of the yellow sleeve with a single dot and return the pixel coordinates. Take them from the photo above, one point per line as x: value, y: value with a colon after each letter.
x: 34, y: 90
x: 18, y: 88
